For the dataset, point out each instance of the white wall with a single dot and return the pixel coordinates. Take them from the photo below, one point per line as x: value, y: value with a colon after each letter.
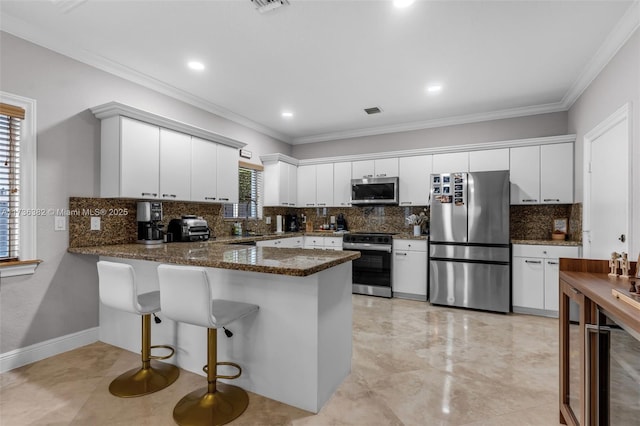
x: 616, y: 85
x: 61, y: 297
x: 533, y: 126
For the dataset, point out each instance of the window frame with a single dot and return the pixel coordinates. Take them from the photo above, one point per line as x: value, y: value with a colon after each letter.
x: 260, y: 194
x: 28, y: 176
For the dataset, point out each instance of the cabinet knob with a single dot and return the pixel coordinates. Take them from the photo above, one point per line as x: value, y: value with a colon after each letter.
x: 209, y: 198
x: 531, y: 200
x: 533, y: 261
x: 557, y: 200
x: 224, y: 199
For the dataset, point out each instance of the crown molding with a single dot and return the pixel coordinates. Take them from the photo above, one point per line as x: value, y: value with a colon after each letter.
x: 439, y: 122
x: 26, y: 31
x: 112, y: 109
x: 274, y: 158
x: 625, y: 28
x: 513, y: 143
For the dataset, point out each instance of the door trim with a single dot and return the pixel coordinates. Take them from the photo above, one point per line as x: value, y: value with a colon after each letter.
x: 621, y: 114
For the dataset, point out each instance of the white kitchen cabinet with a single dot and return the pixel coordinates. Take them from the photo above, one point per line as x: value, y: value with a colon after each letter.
x: 227, y: 174
x: 536, y: 276
x: 524, y: 173
x: 414, y: 180
x: 409, y: 269
x: 451, y: 162
x: 342, y: 184
x: 280, y: 184
x: 556, y: 173
x: 306, y: 186
x: 290, y: 242
x: 324, y: 185
x: 489, y: 160
x: 204, y: 166
x: 542, y: 174
x: 322, y: 243
x: 175, y: 165
x: 138, y: 146
x: 382, y: 167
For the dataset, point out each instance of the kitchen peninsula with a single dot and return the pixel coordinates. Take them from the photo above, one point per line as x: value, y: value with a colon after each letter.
x: 289, y: 350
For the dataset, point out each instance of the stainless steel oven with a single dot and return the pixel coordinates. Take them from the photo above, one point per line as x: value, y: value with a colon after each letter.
x: 372, y: 271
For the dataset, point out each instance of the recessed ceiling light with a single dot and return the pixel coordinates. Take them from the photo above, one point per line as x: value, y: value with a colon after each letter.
x: 195, y: 65
x: 287, y: 114
x: 402, y: 3
x: 435, y: 88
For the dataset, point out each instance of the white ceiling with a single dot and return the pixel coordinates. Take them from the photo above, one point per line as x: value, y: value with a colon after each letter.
x: 328, y: 60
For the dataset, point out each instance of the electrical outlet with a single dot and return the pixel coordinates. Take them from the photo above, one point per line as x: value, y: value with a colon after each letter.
x: 60, y: 223
x: 95, y: 223
x: 267, y: 220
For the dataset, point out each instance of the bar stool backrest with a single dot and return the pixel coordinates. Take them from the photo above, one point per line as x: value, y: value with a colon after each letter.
x: 117, y: 286
x: 185, y: 294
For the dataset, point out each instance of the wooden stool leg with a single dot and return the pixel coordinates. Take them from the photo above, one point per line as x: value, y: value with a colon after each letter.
x: 150, y: 377
x: 218, y: 403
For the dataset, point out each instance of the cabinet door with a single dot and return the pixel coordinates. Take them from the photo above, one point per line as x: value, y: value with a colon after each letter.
x: 386, y: 167
x: 556, y: 173
x: 528, y: 282
x: 524, y: 171
x: 324, y: 185
x: 139, y: 159
x: 292, y: 185
x: 227, y: 174
x: 332, y: 243
x: 410, y: 272
x: 551, y: 290
x: 204, y: 164
x: 361, y: 169
x: 312, y: 242
x: 342, y: 184
x: 306, y: 186
x: 272, y: 184
x: 451, y: 162
x: 175, y: 165
x: 414, y: 180
x: 489, y: 160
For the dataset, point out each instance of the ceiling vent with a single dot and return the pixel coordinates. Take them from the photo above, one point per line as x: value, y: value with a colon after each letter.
x: 373, y: 110
x: 267, y: 5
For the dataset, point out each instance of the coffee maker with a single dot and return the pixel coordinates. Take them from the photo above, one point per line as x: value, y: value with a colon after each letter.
x: 291, y: 223
x: 149, y: 215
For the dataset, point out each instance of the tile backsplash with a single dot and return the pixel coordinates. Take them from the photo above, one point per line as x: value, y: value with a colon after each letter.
x: 118, y: 219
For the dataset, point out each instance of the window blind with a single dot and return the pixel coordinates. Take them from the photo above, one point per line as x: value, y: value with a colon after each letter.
x: 250, y: 193
x: 10, y: 121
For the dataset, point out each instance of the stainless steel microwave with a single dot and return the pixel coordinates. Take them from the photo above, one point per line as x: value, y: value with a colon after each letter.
x: 381, y: 190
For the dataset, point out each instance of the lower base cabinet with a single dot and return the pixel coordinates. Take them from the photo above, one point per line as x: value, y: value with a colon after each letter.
x: 535, y: 277
x: 409, y: 269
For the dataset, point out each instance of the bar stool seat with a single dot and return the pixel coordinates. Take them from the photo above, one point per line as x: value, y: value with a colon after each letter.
x: 118, y: 290
x: 186, y: 297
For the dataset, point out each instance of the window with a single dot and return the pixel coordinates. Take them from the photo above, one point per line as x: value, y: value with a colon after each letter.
x: 249, y: 195
x: 17, y: 185
x: 10, y: 130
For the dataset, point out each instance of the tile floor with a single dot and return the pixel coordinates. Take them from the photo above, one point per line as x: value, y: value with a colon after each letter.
x: 413, y: 364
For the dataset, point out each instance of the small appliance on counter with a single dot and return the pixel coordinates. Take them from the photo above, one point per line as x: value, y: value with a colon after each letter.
x: 149, y: 216
x: 291, y: 223
x: 189, y: 228
x: 341, y: 223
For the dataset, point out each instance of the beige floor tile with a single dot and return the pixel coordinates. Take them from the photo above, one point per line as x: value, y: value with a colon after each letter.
x: 413, y: 364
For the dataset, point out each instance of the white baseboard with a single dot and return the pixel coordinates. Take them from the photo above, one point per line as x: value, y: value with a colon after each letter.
x: 36, y: 352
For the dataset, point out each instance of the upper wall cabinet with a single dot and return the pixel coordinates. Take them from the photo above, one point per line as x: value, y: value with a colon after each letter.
x: 342, y: 184
x: 382, y: 167
x: 414, y: 180
x: 144, y: 155
x: 307, y: 186
x: 542, y: 174
x: 280, y: 183
x: 451, y: 162
x: 489, y: 160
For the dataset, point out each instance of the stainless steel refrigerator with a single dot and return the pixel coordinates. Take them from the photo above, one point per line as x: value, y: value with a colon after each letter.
x: 469, y: 245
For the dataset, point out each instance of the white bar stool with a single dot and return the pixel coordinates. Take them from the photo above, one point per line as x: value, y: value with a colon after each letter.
x: 118, y: 290
x: 186, y: 297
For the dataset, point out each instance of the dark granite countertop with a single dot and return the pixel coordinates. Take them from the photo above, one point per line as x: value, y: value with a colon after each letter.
x: 217, y: 254
x: 548, y: 243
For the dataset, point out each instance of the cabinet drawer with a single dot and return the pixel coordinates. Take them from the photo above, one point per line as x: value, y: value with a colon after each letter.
x: 333, y: 242
x: 525, y: 250
x: 410, y: 245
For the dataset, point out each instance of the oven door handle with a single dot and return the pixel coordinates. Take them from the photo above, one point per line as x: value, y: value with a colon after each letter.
x: 369, y: 247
